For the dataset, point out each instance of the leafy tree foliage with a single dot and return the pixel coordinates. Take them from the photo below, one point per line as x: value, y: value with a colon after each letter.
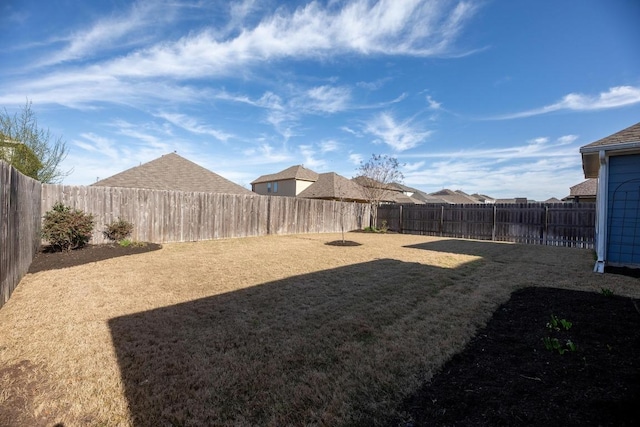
x: 31, y: 149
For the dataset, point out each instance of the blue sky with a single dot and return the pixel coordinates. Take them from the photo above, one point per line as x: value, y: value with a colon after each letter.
x: 489, y: 96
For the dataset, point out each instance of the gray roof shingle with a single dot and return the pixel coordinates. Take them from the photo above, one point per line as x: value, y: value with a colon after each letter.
x: 585, y: 188
x: 297, y: 172
x: 332, y: 186
x: 455, y: 197
x: 630, y: 134
x: 172, y: 172
x: 626, y: 140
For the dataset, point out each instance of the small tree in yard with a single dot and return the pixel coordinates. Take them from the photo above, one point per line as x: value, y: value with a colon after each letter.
x: 375, y: 176
x: 65, y: 228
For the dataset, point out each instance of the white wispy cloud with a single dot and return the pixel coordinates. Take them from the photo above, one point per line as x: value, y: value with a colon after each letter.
x: 126, y: 30
x: 98, y: 144
x: 148, y: 69
x: 374, y: 85
x: 553, y: 177
x: 433, y: 104
x: 355, y: 158
x: 329, y: 145
x: 386, y: 27
x: 400, y: 136
x: 326, y: 99
x: 551, y: 163
x: 192, y: 125
x: 310, y: 159
x: 351, y: 131
x: 534, y: 148
x: 265, y: 153
x: 615, y: 97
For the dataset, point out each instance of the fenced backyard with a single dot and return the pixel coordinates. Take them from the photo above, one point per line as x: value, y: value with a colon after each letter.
x: 171, y: 216
x: 552, y: 224
x: 273, y: 330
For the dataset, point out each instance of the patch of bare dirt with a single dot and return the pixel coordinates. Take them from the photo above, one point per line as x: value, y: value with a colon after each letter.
x: 24, y: 382
x: 46, y: 259
x: 505, y: 376
x: 343, y: 243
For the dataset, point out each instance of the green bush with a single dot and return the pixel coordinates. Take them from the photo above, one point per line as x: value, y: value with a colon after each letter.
x: 65, y: 228
x: 118, y: 230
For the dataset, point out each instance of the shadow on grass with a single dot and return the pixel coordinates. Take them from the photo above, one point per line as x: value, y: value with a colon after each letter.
x: 464, y: 247
x: 332, y: 347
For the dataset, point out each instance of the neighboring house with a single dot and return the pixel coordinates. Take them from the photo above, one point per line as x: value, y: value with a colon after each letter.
x: 393, y: 192
x: 403, y: 199
x: 389, y: 191
x: 172, y: 172
x: 615, y: 161
x: 454, y: 197
x: 415, y: 196
x: 553, y: 200
x: 289, y: 182
x: 331, y: 186
x: 583, y: 192
x: 483, y: 198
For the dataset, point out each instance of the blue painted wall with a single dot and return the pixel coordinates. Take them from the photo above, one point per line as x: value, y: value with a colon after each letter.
x: 623, y: 246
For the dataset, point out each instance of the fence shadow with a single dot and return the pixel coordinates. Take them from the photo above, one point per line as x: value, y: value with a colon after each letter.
x: 282, y: 353
x: 464, y: 247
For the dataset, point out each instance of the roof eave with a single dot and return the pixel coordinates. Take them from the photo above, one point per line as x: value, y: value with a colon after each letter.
x: 622, y: 146
x: 591, y: 153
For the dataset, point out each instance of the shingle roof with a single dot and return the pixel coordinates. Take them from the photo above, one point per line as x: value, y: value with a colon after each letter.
x: 626, y: 140
x: 404, y: 199
x: 297, y: 172
x: 630, y: 134
x: 456, y: 197
x: 369, y: 182
x: 553, y: 200
x: 172, y: 172
x: 330, y: 185
x: 585, y: 188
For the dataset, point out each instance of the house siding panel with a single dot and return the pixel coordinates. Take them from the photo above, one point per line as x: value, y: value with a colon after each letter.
x: 624, y: 210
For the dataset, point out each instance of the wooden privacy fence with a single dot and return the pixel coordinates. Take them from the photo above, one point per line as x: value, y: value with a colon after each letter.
x: 19, y: 227
x: 556, y: 224
x: 173, y: 216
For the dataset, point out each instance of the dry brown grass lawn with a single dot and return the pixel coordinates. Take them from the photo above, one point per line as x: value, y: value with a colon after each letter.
x: 281, y: 330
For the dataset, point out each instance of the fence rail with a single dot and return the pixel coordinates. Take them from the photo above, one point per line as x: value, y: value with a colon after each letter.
x: 173, y: 216
x: 19, y: 227
x: 554, y: 224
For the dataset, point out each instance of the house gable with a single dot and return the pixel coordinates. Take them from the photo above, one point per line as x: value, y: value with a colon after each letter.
x: 288, y: 182
x: 172, y: 172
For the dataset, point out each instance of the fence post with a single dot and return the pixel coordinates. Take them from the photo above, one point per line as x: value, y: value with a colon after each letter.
x: 268, y: 215
x: 441, y: 219
x: 545, y: 232
x: 400, y: 220
x: 493, y: 226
